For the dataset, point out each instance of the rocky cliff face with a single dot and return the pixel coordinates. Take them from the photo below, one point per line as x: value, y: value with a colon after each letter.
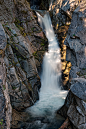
x: 5, y: 106
x: 75, y: 104
x: 21, y: 41
x: 22, y: 46
x: 75, y: 42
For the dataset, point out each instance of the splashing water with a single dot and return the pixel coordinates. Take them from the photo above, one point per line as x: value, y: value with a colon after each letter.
x: 51, y: 96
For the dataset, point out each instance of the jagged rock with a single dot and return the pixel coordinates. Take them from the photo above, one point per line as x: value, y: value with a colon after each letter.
x: 79, y: 88
x: 75, y: 108
x: 68, y: 6
x: 3, y: 40
x: 6, y: 109
x: 26, y: 21
x: 76, y: 40
x: 62, y: 11
x: 5, y: 106
x: 66, y: 124
x: 22, y: 75
x: 29, y: 69
x: 13, y: 76
x: 77, y: 113
x: 77, y: 118
x: 7, y: 8
x: 2, y: 108
x: 75, y: 103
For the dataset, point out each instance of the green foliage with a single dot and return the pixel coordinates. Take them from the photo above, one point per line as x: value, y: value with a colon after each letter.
x: 83, y: 68
x: 10, y: 63
x: 32, y: 28
x: 1, y: 122
x: 31, y: 18
x: 35, y: 54
x: 3, y: 25
x: 15, y: 35
x: 4, y: 87
x: 74, y: 35
x: 82, y: 72
x: 24, y: 34
x: 17, y: 21
x: 13, y: 87
x: 79, y: 74
x: 11, y: 37
x: 9, y: 29
x: 16, y: 48
x: 18, y: 25
x: 24, y: 11
x: 42, y: 44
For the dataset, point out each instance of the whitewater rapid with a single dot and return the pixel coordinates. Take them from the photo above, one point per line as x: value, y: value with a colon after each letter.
x: 51, y: 97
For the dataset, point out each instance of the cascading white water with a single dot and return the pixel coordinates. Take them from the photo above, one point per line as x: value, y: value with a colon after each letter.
x: 51, y: 63
x: 51, y: 96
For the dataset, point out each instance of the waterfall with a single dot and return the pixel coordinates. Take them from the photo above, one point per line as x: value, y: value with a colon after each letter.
x: 51, y: 63
x: 51, y: 95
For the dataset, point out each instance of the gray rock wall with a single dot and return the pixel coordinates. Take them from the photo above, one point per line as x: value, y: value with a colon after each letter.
x: 5, y: 106
x: 17, y: 64
x: 62, y: 11
x: 21, y: 69
x: 75, y: 103
x: 76, y: 44
x: 76, y: 40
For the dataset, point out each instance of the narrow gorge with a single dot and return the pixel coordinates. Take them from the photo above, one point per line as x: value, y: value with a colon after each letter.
x: 42, y: 74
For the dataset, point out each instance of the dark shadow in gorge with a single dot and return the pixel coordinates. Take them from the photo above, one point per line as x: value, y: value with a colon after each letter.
x: 39, y: 4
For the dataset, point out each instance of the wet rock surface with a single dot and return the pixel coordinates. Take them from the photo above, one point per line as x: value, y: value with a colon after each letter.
x: 41, y: 122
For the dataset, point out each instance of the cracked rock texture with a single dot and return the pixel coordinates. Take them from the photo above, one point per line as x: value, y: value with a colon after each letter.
x: 22, y: 46
x: 75, y: 104
x: 62, y: 11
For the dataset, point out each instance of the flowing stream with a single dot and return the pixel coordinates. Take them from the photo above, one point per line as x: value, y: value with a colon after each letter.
x: 51, y: 97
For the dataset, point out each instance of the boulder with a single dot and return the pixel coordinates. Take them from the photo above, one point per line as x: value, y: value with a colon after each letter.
x: 79, y: 88
x: 75, y: 104
x: 77, y: 117
x: 77, y: 113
